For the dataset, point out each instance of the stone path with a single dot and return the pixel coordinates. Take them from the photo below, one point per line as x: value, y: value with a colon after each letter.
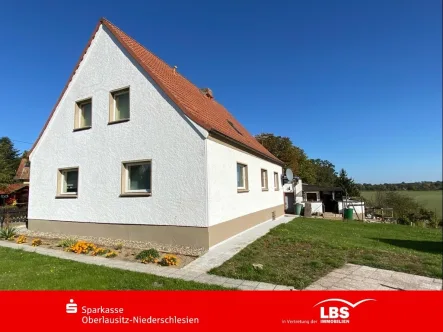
x: 357, y: 277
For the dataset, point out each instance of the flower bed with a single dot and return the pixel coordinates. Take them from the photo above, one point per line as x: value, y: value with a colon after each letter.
x: 118, y: 251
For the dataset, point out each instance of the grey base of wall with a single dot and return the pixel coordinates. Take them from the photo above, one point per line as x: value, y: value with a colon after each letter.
x: 195, y: 237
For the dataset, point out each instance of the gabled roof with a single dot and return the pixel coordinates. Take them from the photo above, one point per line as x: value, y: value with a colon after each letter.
x: 204, y: 111
x: 23, y: 169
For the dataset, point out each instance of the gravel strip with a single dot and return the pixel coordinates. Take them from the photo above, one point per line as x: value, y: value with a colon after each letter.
x: 173, y: 249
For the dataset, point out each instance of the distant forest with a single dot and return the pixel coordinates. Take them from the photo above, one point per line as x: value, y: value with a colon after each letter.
x: 415, y: 186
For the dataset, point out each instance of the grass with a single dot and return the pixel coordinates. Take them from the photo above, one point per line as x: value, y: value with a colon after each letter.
x: 304, y: 250
x: 430, y: 199
x: 20, y: 270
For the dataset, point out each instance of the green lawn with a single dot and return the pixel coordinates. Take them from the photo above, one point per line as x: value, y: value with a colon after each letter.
x: 430, y: 199
x: 20, y: 270
x: 304, y: 250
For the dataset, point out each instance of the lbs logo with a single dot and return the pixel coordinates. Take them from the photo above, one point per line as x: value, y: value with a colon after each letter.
x: 335, y: 314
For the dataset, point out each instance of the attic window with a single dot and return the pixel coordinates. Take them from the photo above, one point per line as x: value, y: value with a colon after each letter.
x: 232, y: 125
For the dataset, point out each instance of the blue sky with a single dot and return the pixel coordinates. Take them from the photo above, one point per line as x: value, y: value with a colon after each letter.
x: 358, y: 83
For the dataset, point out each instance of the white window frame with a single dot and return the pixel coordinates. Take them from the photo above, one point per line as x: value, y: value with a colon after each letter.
x: 125, y: 191
x: 78, y: 114
x: 245, y: 186
x: 264, y: 182
x: 276, y: 182
x: 61, y: 181
x: 113, y: 104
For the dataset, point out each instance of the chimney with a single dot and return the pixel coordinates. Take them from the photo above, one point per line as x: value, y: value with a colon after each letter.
x: 207, y: 92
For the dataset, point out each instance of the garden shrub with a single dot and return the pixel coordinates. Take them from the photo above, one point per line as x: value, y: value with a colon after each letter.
x: 169, y: 260
x: 65, y: 243
x: 36, y: 242
x: 148, y: 254
x: 21, y: 239
x: 82, y: 247
x: 8, y: 233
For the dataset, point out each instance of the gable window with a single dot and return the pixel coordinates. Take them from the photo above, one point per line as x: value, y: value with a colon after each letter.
x: 242, y: 177
x: 67, y: 182
x: 264, y: 180
x: 83, y: 114
x: 119, y: 106
x: 136, y: 178
x: 276, y: 186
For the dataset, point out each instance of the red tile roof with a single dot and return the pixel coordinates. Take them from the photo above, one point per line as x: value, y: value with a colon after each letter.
x: 23, y: 170
x: 12, y: 188
x: 198, y: 107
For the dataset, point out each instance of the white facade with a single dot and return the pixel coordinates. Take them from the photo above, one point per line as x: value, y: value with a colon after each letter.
x: 224, y: 202
x: 193, y: 178
x: 157, y: 130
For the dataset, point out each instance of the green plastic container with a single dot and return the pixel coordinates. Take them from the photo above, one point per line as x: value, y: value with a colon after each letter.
x: 298, y: 207
x: 349, y: 214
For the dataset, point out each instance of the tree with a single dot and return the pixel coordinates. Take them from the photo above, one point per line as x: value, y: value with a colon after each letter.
x: 9, y: 161
x: 326, y: 175
x: 293, y: 157
x: 347, y: 184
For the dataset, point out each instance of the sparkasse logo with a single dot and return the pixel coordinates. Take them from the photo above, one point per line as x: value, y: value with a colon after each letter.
x: 335, y: 314
x: 71, y: 307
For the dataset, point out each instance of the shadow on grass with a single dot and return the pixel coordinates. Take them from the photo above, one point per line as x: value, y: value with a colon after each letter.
x: 432, y: 247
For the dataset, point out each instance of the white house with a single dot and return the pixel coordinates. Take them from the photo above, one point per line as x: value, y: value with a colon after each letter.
x: 133, y: 150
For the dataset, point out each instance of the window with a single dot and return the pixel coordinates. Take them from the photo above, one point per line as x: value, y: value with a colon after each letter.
x: 136, y: 178
x: 276, y: 186
x: 83, y: 114
x: 242, y: 177
x: 67, y: 184
x: 264, y: 179
x: 311, y: 197
x: 119, y: 106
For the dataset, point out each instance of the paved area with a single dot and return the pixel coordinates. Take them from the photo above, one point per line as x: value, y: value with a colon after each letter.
x: 220, y: 253
x: 357, y: 277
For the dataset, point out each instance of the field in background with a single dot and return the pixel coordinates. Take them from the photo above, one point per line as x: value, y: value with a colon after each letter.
x: 432, y: 200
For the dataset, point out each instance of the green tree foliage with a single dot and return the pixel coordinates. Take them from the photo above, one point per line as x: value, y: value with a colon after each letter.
x: 405, y: 208
x: 347, y: 183
x: 312, y: 171
x: 293, y: 157
x: 325, y: 174
x: 9, y: 161
x: 419, y: 186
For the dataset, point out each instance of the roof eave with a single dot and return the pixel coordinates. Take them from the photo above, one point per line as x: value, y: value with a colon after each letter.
x: 217, y: 134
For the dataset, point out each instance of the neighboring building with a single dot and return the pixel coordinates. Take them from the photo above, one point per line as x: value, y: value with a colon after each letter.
x: 322, y: 199
x: 133, y: 150
x: 17, y: 193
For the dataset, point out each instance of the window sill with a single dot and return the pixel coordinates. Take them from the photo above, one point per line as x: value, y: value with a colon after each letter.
x: 117, y: 121
x: 242, y: 190
x: 82, y: 128
x: 135, y: 195
x: 65, y: 196
x: 264, y: 189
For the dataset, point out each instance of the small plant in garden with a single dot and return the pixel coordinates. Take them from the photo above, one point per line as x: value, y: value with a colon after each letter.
x: 118, y: 246
x: 8, y: 233
x: 100, y: 252
x: 82, y: 247
x: 67, y: 243
x: 21, y: 239
x: 111, y: 254
x: 148, y: 256
x: 168, y: 260
x: 36, y: 242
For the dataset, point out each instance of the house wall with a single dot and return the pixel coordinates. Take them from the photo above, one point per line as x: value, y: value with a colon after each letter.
x: 229, y: 211
x: 157, y: 130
